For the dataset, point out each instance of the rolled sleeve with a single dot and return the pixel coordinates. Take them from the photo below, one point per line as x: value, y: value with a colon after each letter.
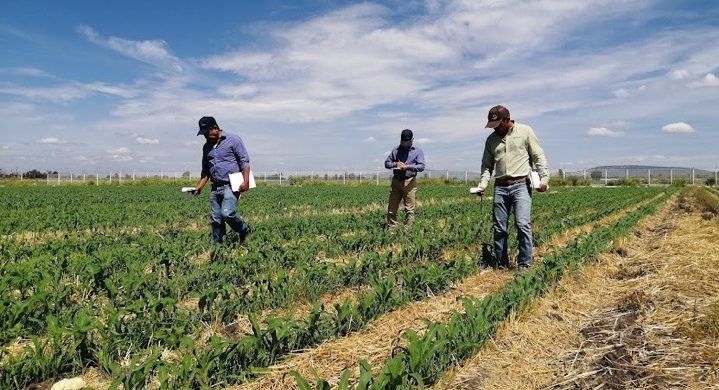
x: 241, y: 154
x: 418, y: 165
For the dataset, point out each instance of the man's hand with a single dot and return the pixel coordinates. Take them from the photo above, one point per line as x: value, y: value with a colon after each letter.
x: 245, y: 186
x: 542, y: 187
x: 197, y: 191
x: 401, y: 166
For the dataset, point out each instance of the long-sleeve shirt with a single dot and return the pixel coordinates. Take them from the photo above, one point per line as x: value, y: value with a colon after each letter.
x: 413, y: 157
x: 513, y: 155
x: 228, y: 155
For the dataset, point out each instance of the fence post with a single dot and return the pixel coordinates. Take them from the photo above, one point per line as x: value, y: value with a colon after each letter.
x: 671, y: 176
x: 360, y: 177
x: 692, y: 176
x: 97, y: 179
x: 606, y: 178
x: 377, y: 176
x: 280, y: 178
x: 585, y: 175
x: 627, y: 174
x: 649, y: 176
x: 344, y: 177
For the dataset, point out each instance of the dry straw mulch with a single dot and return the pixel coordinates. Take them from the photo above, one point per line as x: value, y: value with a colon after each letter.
x: 645, y: 316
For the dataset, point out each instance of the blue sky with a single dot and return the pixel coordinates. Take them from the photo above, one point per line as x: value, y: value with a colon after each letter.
x: 90, y: 86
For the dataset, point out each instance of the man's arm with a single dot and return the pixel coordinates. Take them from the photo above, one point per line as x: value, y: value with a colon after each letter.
x: 418, y: 165
x: 245, y: 179
x: 201, y: 183
x: 243, y: 160
x: 486, y: 169
x: 391, y: 161
x: 536, y: 155
x: 205, y: 174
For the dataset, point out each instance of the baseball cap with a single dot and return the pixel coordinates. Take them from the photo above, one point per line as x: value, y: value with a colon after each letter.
x: 407, y: 135
x: 206, y: 123
x: 495, y: 116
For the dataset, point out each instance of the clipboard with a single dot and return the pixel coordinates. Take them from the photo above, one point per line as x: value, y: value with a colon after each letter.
x: 534, y: 179
x: 236, y: 180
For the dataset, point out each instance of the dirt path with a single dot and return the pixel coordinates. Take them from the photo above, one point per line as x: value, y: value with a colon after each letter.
x: 643, y: 317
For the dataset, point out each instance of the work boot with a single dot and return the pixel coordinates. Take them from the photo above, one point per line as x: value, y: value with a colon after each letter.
x: 245, y: 235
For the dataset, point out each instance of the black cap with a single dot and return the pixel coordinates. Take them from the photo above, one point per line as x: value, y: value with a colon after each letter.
x: 407, y: 135
x: 206, y: 123
x: 496, y: 115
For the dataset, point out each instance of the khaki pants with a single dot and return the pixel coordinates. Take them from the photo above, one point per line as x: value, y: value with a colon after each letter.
x: 404, y: 190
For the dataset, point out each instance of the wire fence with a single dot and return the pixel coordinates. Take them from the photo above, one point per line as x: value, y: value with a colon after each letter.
x: 594, y: 177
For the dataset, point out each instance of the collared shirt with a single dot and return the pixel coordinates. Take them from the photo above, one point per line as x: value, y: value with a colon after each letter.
x: 413, y: 157
x: 228, y: 155
x: 513, y: 155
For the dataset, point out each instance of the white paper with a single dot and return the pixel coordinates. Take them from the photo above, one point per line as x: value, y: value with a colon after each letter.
x: 534, y: 178
x: 474, y: 190
x: 236, y: 180
x: 188, y: 189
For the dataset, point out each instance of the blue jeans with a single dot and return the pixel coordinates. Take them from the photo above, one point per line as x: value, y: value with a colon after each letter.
x: 506, y: 198
x: 223, y: 203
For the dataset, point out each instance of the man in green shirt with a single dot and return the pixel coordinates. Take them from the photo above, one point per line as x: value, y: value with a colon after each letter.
x: 510, y: 152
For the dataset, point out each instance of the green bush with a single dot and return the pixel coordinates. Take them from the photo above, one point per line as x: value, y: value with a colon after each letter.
x: 679, y: 183
x: 569, y: 182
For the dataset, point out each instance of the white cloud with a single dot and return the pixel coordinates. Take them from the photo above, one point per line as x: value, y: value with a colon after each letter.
x: 152, y: 52
x: 369, y: 139
x: 147, y: 141
x: 603, y: 132
x: 710, y: 80
x: 67, y: 92
x: 621, y: 93
x: 120, y: 158
x: 678, y: 127
x: 26, y: 71
x: 51, y: 140
x: 424, y: 141
x: 4, y: 147
x: 121, y: 150
x: 679, y: 74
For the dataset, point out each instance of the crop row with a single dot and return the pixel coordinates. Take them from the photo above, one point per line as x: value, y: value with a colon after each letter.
x: 105, y: 336
x: 423, y: 358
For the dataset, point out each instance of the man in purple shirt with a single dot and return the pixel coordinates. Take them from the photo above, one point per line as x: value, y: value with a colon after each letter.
x: 405, y: 161
x: 223, y: 154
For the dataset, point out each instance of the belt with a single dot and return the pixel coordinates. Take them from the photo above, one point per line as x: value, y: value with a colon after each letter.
x: 219, y: 182
x: 509, y: 181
